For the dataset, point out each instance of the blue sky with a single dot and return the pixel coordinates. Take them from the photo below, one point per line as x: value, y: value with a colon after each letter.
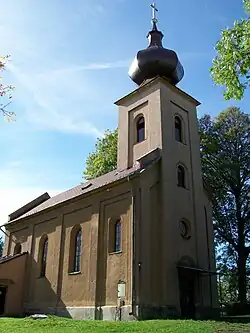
x: 69, y: 64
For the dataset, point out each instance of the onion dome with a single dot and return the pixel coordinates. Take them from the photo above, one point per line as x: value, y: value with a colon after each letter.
x: 156, y: 60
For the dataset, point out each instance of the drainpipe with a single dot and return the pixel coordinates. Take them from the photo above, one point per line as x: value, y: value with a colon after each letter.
x: 3, y: 230
x: 133, y: 313
x: 133, y: 259
x: 1, y: 226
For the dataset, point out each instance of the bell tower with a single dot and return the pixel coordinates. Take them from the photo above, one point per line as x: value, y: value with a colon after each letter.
x: 159, y: 115
x: 141, y: 115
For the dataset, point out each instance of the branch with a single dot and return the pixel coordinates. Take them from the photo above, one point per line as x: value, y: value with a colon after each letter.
x: 9, y: 115
x: 227, y: 239
x: 220, y: 172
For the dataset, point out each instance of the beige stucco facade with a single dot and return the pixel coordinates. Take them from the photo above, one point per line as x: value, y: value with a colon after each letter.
x: 155, y: 259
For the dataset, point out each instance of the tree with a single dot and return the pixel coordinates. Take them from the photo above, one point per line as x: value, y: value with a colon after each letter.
x: 104, y: 158
x: 231, y: 66
x: 1, y: 247
x: 225, y: 156
x: 5, y: 93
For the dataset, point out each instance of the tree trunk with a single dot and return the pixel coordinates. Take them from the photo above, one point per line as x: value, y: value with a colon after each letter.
x: 242, y: 278
x: 242, y: 254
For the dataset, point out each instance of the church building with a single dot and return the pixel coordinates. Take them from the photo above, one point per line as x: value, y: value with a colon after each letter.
x: 135, y: 243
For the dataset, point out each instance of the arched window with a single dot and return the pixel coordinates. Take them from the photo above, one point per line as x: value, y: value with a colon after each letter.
x: 140, y: 129
x: 44, y: 252
x: 77, y: 252
x: 181, y: 177
x: 178, y: 129
x: 117, y: 236
x: 18, y: 248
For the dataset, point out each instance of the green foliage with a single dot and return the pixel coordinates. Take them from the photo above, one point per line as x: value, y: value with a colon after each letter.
x: 56, y: 325
x: 104, y: 158
x: 1, y: 246
x: 231, y: 66
x: 225, y: 156
x: 247, y: 5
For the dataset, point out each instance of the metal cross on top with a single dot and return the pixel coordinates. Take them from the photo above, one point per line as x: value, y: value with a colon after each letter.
x: 154, y: 10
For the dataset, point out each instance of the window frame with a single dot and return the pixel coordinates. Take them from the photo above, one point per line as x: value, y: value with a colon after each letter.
x: 184, y: 223
x: 76, y: 267
x: 178, y: 126
x: 44, y: 255
x: 115, y: 236
x: 140, y: 126
x: 181, y: 182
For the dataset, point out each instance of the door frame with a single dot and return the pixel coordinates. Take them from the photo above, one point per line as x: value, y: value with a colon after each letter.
x: 187, y: 284
x: 5, y: 288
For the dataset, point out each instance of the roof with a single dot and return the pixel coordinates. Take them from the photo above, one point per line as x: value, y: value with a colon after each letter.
x: 142, y: 163
x: 11, y: 257
x: 151, y: 81
x: 79, y: 190
x: 32, y: 204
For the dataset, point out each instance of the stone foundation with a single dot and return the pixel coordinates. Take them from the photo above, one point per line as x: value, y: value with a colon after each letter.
x: 113, y: 313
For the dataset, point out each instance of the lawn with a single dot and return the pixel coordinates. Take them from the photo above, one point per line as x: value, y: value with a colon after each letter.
x: 56, y: 325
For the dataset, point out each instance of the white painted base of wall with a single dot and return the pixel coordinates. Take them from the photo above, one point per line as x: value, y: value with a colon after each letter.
x: 111, y: 313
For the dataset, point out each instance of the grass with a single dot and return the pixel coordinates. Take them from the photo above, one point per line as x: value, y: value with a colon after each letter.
x: 56, y: 325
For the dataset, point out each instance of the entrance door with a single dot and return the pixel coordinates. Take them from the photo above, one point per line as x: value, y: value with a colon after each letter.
x: 187, y: 293
x: 3, y: 291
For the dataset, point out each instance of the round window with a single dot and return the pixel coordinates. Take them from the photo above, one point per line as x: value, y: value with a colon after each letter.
x: 185, y: 229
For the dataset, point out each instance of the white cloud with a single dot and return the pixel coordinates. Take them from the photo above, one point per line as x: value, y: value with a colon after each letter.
x: 92, y: 67
x: 13, y: 193
x: 54, y: 90
x: 55, y: 99
x: 14, y: 198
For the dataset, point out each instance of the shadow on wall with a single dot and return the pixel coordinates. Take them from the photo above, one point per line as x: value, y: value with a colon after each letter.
x: 23, y: 293
x: 40, y: 296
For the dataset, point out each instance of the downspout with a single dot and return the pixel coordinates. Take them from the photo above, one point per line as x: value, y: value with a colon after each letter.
x: 3, y: 231
x: 133, y: 284
x: 1, y: 226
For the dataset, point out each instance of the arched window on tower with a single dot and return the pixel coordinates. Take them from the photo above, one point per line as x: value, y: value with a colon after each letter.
x: 77, y: 252
x: 181, y: 176
x: 117, y: 242
x: 18, y: 248
x: 178, y: 129
x: 140, y: 129
x: 44, y: 252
